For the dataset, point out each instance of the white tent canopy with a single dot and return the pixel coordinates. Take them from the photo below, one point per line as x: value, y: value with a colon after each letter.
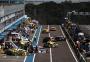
x: 81, y: 34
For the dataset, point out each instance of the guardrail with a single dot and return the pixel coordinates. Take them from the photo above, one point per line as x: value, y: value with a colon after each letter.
x: 79, y: 56
x: 20, y: 19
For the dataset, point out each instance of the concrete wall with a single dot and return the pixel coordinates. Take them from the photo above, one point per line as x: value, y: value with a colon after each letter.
x: 1, y: 11
x: 10, y: 9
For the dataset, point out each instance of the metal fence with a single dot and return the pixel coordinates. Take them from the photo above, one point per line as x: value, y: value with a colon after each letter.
x: 79, y: 56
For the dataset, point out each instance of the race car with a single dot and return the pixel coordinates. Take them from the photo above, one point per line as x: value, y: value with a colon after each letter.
x: 60, y: 38
x: 53, y: 29
x: 16, y: 52
x: 50, y: 44
x: 46, y: 39
x: 45, y: 31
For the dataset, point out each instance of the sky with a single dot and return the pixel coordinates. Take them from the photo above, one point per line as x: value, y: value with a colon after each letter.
x: 61, y: 0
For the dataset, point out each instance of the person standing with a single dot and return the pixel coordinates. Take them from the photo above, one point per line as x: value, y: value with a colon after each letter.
x: 36, y: 49
x: 30, y: 48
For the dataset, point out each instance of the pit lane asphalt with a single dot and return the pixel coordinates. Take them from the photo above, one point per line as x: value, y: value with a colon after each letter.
x: 4, y: 58
x: 60, y: 54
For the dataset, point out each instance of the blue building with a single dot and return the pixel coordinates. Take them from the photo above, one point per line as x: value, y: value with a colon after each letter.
x: 11, y: 14
x: 11, y: 1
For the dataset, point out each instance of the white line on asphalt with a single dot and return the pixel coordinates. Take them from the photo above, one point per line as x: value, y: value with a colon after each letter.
x: 69, y: 46
x: 50, y: 48
x: 49, y: 34
x: 34, y: 57
x: 31, y: 41
x: 25, y: 58
x: 50, y: 55
x: 49, y: 29
x: 37, y: 42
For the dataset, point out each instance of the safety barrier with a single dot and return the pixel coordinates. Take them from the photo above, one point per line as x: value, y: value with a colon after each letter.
x: 21, y: 19
x: 79, y: 56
